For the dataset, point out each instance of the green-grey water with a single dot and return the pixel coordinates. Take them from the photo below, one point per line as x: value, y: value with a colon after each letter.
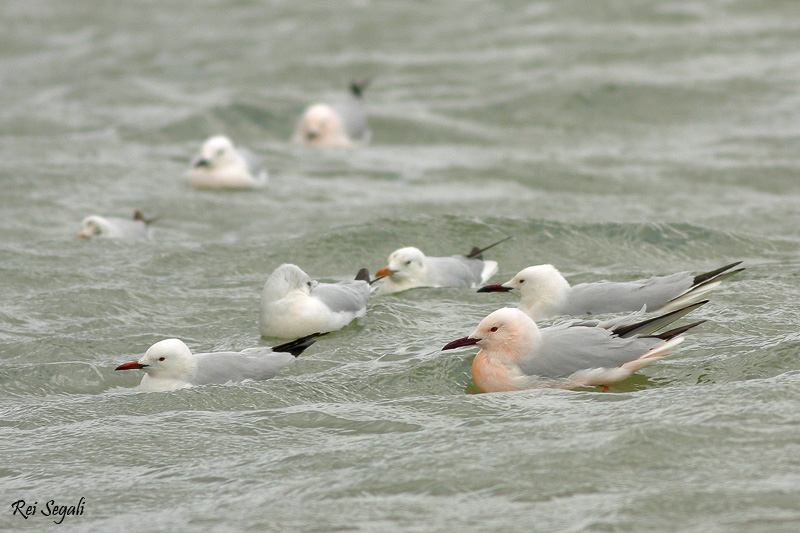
x: 617, y: 139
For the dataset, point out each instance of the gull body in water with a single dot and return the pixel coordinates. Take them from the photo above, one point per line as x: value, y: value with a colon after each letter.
x: 170, y: 364
x: 221, y: 165
x: 515, y: 354
x: 545, y: 294
x: 136, y: 228
x: 293, y: 304
x: 410, y: 268
x: 340, y: 125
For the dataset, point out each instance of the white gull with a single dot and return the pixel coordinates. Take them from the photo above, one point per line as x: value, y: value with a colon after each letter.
x: 409, y: 268
x: 170, y: 364
x: 221, y: 165
x: 293, y: 304
x: 544, y: 293
x: 136, y: 228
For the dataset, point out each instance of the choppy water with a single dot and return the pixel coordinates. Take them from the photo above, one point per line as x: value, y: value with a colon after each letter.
x: 614, y: 139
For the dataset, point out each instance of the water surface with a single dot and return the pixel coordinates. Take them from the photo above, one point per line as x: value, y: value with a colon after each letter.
x: 615, y: 140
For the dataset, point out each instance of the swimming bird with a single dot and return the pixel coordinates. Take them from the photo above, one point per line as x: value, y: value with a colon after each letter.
x: 515, y: 354
x: 136, y: 228
x: 220, y: 165
x: 340, y: 125
x: 544, y: 293
x: 409, y: 268
x: 170, y: 364
x: 293, y: 304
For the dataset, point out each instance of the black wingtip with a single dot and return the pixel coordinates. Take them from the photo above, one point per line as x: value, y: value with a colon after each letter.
x: 298, y: 346
x: 357, y: 87
x: 628, y: 329
x: 138, y: 215
x: 363, y: 275
x: 477, y: 253
x: 671, y: 334
x: 706, y: 276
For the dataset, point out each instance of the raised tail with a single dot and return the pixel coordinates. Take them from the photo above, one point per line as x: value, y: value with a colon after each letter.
x: 477, y: 253
x: 298, y: 346
x: 363, y: 275
x: 357, y: 87
x: 702, y: 284
x: 651, y: 325
x: 708, y: 276
x: 138, y: 215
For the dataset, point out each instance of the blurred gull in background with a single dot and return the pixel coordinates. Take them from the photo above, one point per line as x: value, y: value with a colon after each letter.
x: 220, y: 165
x: 340, y: 125
x: 136, y: 228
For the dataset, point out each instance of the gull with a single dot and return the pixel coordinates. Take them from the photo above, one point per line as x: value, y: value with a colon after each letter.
x: 136, y: 228
x: 341, y: 125
x: 293, y: 304
x: 515, y: 354
x: 170, y: 364
x: 220, y: 165
x: 544, y: 293
x: 409, y: 268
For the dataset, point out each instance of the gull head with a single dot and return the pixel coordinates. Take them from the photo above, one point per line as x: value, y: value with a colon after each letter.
x: 287, y: 278
x: 539, y: 279
x: 507, y: 334
x: 321, y: 125
x: 96, y: 226
x: 405, y: 265
x: 169, y: 359
x: 541, y: 288
x: 217, y: 152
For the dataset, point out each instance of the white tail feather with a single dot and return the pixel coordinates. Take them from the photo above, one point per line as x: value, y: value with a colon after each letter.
x: 695, y: 294
x: 657, y: 352
x: 489, y: 270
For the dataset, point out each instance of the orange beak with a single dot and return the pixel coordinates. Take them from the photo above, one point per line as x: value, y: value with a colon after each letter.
x: 382, y: 273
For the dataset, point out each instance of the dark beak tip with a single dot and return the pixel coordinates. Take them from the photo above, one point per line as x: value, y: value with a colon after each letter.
x: 466, y: 341
x: 494, y: 288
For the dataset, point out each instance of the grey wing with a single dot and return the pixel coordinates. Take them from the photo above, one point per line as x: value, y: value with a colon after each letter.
x: 456, y: 271
x: 254, y: 163
x: 354, y: 117
x: 222, y: 367
x: 346, y: 296
x: 566, y: 350
x: 130, y: 229
x: 612, y: 297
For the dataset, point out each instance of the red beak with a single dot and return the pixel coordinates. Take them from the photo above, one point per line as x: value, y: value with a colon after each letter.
x: 466, y: 341
x: 382, y: 273
x: 133, y: 365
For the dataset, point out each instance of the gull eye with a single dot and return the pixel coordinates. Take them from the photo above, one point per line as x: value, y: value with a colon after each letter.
x: 494, y: 328
x: 161, y: 358
x: 308, y: 283
x: 221, y: 151
x: 408, y: 263
x: 522, y: 282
